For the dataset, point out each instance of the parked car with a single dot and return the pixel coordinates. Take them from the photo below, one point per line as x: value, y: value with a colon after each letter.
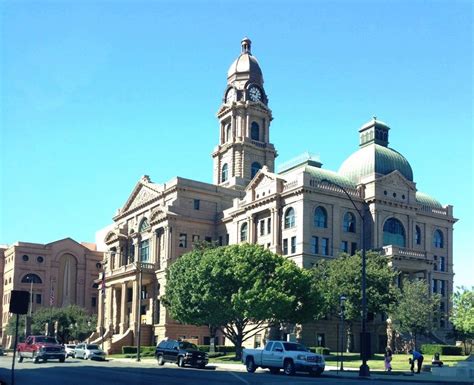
x: 69, y: 348
x: 41, y: 348
x: 181, y: 353
x: 89, y: 351
x: 289, y: 356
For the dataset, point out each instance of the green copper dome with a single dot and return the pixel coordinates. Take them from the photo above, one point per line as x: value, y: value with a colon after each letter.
x: 426, y: 200
x: 374, y: 158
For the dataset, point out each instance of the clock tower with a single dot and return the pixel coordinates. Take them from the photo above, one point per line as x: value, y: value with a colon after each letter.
x: 244, y: 119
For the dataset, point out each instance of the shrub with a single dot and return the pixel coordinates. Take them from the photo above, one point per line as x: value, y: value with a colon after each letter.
x: 218, y: 348
x: 320, y: 350
x: 204, y: 348
x: 216, y: 354
x: 133, y: 349
x: 448, y: 350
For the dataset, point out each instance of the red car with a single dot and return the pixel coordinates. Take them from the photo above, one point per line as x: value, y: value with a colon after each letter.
x: 41, y: 348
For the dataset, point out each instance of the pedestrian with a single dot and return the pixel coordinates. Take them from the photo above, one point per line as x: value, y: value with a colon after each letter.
x: 388, y: 359
x: 418, y: 357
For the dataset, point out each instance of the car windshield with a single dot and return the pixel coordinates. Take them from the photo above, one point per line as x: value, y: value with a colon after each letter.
x: 71, y: 346
x: 187, y: 345
x: 47, y: 340
x: 92, y: 347
x: 292, y: 347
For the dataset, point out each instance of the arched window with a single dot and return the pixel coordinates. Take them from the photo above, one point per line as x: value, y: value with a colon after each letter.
x: 144, y: 225
x: 438, y: 241
x: 393, y: 233
x: 228, y: 132
x: 417, y: 235
x: 225, y: 172
x: 243, y: 232
x: 349, y: 223
x: 255, y: 167
x: 320, y: 217
x: 290, y: 218
x: 28, y: 278
x: 255, y: 131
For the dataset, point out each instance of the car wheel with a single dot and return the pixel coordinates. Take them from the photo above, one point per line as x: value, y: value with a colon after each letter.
x: 274, y: 370
x: 289, y: 368
x: 250, y: 365
x: 181, y: 362
x: 202, y: 366
x: 160, y: 360
x: 35, y: 359
x: 62, y: 359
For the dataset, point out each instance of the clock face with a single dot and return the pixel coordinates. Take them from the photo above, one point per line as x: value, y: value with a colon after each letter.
x: 230, y: 96
x: 255, y: 94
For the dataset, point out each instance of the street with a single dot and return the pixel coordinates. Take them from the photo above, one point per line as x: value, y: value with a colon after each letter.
x: 113, y: 372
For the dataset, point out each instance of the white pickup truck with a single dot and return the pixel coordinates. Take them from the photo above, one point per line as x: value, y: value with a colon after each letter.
x: 289, y: 356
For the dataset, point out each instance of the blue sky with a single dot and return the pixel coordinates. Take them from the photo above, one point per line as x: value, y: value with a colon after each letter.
x: 96, y: 94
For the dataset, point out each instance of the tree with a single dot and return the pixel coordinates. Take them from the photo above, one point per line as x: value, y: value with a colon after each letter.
x: 239, y: 289
x: 462, y: 315
x: 416, y: 309
x: 74, y: 323
x: 343, y: 276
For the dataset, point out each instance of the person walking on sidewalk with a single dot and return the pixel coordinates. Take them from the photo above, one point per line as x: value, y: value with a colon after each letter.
x: 418, y: 357
x: 388, y: 359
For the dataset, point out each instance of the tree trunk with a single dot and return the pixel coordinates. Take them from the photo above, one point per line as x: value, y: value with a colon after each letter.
x: 238, y: 347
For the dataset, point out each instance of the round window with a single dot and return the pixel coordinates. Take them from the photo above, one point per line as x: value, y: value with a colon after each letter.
x: 40, y: 259
x: 25, y: 258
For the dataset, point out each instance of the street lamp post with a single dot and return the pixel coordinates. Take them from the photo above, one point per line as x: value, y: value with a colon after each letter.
x: 364, y: 370
x: 342, y: 301
x: 138, y: 264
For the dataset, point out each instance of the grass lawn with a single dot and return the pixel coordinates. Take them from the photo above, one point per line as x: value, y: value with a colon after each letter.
x: 352, y: 360
x: 399, y: 361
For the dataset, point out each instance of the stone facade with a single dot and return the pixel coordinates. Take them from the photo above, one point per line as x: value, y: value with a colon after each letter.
x: 56, y: 274
x: 302, y: 211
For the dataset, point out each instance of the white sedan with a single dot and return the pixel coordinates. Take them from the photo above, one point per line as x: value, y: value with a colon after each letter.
x: 89, y: 351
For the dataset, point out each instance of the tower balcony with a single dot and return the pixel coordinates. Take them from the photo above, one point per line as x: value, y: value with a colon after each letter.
x: 406, y: 259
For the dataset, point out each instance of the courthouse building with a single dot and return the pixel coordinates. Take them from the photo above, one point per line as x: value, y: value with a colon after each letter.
x: 297, y: 211
x: 57, y: 274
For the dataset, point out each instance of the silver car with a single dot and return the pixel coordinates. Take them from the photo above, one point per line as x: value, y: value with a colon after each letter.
x: 89, y: 351
x: 69, y: 350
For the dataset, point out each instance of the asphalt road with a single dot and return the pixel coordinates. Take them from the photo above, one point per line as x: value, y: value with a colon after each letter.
x: 80, y: 372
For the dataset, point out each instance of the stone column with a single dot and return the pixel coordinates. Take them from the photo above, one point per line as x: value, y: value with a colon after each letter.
x: 135, y: 301
x: 250, y: 235
x: 276, y: 228
x: 100, y: 311
x: 108, y: 307
x: 123, y: 308
x: 115, y: 308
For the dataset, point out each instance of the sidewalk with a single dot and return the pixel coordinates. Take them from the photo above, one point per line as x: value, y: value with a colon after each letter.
x: 350, y: 373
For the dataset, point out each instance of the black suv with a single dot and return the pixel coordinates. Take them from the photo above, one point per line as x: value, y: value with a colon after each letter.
x: 181, y: 353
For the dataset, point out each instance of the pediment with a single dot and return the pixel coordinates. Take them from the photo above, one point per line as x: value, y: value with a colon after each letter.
x: 395, y: 178
x: 144, y: 192
x: 263, y: 178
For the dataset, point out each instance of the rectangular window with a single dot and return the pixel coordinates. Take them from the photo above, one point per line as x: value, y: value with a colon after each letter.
x: 353, y: 248
x: 442, y: 266
x: 293, y: 245
x: 93, y: 301
x: 285, y: 247
x: 442, y: 288
x: 325, y: 246
x: 269, y: 225
x: 435, y: 266
x: 183, y: 240
x: 144, y: 251
x: 197, y: 203
x: 129, y: 294
x: 434, y: 285
x: 208, y: 239
x: 344, y: 246
x: 314, y: 245
x: 227, y: 239
x: 258, y: 341
x: 262, y: 227
x: 195, y: 238
x: 220, y: 240
x: 38, y: 299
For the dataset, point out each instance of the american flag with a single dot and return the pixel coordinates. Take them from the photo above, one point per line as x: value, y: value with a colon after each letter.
x: 51, y: 296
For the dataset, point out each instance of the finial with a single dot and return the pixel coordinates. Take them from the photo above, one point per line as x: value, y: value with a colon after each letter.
x: 374, y: 117
x: 246, y: 45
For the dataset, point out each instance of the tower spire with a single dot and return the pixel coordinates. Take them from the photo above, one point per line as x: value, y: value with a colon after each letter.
x: 246, y: 45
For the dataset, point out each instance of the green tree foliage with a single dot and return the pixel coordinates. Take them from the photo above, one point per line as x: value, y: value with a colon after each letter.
x: 462, y: 315
x: 416, y: 309
x: 74, y: 323
x: 239, y: 289
x: 343, y: 276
